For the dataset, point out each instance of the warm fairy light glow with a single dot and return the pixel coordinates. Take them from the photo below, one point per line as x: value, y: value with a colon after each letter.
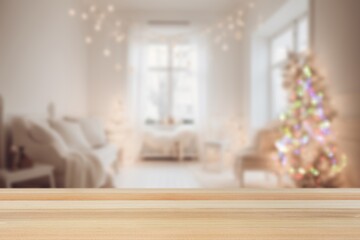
x: 308, y: 148
x: 107, y: 52
x: 97, y: 28
x: 224, y: 32
x: 72, y: 12
x: 85, y: 16
x: 111, y: 8
x: 231, y: 26
x: 88, y: 40
x: 118, y: 67
x: 93, y: 8
x: 120, y: 38
x: 252, y: 5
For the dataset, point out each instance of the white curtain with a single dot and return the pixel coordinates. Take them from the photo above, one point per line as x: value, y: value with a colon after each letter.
x: 137, y: 73
x: 202, y: 50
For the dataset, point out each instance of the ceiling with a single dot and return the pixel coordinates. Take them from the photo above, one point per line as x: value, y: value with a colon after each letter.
x: 179, y: 5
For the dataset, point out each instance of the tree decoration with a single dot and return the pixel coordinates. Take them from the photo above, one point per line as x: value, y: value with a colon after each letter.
x: 308, y: 149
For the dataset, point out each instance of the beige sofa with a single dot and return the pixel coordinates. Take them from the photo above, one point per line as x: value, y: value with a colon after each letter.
x: 179, y: 143
x: 78, y: 150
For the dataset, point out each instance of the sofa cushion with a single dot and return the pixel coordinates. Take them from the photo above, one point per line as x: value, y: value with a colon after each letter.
x: 94, y: 132
x: 41, y: 132
x: 106, y: 154
x: 72, y: 134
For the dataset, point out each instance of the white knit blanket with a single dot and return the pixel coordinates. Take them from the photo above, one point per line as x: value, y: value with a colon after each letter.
x: 84, y: 170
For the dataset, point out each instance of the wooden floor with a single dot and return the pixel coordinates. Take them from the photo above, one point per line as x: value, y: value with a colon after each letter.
x: 165, y: 215
x: 159, y: 174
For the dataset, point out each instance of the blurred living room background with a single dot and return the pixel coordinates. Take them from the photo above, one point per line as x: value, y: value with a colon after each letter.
x: 214, y: 94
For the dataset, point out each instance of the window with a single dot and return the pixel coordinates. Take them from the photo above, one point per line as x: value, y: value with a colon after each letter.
x: 170, y: 84
x: 294, y: 38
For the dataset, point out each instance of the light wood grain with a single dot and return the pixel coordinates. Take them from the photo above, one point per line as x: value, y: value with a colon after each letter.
x: 176, y: 195
x: 169, y: 214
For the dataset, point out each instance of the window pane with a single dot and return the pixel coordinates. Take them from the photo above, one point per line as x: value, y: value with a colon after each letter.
x: 182, y: 56
x: 281, y: 45
x: 279, y: 93
x: 184, y: 97
x: 303, y: 35
x: 156, y: 100
x: 158, y: 55
x: 170, y: 86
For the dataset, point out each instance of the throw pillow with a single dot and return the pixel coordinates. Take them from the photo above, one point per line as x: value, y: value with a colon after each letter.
x: 72, y: 134
x: 94, y: 132
x: 41, y: 132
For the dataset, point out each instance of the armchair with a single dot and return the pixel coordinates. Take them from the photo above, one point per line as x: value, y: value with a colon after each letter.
x: 258, y: 157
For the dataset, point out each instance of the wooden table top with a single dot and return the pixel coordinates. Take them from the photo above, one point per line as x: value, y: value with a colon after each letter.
x: 169, y: 214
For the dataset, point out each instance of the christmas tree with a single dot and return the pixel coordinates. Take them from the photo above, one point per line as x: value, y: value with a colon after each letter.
x: 307, y: 148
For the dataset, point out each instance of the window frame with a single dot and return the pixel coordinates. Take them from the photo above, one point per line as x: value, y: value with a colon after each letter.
x: 294, y: 27
x: 171, y: 71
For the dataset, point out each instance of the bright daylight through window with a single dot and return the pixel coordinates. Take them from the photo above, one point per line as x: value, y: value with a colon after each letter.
x: 171, y: 84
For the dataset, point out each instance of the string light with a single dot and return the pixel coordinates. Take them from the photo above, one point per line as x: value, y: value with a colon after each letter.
x: 252, y: 5
x: 84, y: 16
x: 120, y: 38
x: 88, y: 40
x: 93, y: 8
x: 111, y: 8
x: 72, y: 12
x: 107, y: 52
x: 97, y: 28
x: 230, y: 25
x: 233, y: 20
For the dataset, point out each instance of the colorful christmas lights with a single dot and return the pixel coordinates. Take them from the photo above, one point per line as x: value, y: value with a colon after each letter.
x: 307, y: 148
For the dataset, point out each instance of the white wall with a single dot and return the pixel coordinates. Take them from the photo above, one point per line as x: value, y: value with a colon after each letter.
x: 336, y: 40
x: 43, y: 58
x: 226, y: 87
x: 263, y: 22
x: 105, y: 84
